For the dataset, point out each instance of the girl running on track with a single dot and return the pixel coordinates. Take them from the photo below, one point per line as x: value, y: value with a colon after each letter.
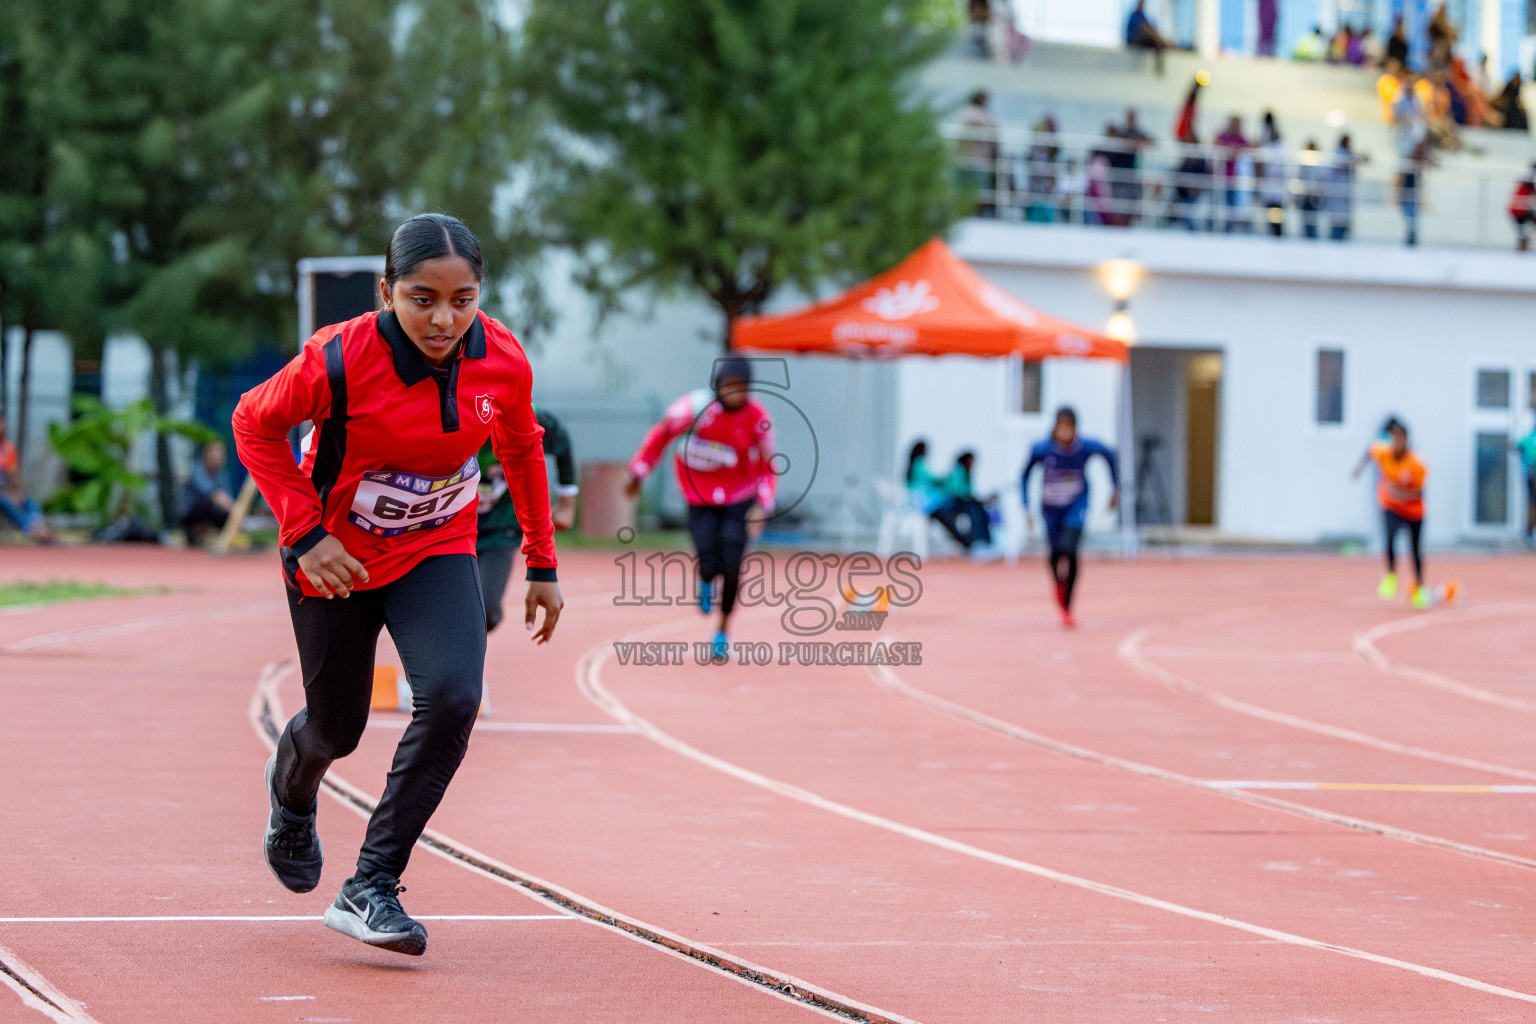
x: 378, y: 529
x: 1064, y: 499
x: 724, y: 471
x: 1400, y: 492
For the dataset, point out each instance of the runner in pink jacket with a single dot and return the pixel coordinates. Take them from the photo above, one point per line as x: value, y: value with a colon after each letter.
x: 725, y: 471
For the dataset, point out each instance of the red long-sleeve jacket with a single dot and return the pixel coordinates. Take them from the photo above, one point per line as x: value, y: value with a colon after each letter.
x: 725, y: 458
x: 390, y: 467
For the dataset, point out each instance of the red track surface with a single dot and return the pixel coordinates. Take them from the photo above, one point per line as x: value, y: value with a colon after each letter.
x: 1023, y: 827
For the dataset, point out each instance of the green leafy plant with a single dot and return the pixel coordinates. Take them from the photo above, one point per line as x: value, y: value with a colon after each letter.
x: 95, y: 447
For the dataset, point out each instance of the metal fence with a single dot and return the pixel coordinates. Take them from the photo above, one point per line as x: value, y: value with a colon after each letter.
x: 1042, y: 177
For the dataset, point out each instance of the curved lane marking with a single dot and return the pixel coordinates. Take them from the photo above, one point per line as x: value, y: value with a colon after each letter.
x: 37, y: 993
x: 266, y: 713
x: 894, y: 684
x: 1130, y: 654
x: 588, y: 676
x: 1364, y: 645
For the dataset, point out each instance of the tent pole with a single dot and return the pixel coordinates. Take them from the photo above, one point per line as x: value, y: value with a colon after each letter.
x: 1128, y: 533
x: 851, y: 473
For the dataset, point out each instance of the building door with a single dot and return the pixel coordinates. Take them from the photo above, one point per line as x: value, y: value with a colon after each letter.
x: 1493, y: 424
x: 1202, y: 398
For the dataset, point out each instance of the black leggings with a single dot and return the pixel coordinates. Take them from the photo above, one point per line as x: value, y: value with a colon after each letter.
x: 437, y: 619
x: 720, y: 537
x: 1063, y: 561
x: 1395, y: 522
x: 495, y: 573
x: 978, y: 527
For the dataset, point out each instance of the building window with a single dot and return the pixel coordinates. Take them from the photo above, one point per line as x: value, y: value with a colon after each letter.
x: 1030, y: 389
x: 1491, y: 497
x: 1493, y: 389
x: 1330, y: 385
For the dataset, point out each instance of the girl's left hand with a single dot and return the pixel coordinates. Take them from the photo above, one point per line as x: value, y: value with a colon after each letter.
x: 546, y: 596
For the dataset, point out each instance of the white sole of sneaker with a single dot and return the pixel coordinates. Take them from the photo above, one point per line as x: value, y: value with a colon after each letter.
x: 412, y: 943
x: 272, y: 800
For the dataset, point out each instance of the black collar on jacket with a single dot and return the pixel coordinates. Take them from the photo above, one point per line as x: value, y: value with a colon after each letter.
x: 411, y: 366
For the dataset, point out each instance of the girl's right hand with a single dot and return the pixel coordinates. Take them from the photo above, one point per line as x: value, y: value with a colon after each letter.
x: 331, y: 570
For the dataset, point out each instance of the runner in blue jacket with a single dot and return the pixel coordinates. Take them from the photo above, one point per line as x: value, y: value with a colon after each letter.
x: 1064, y: 498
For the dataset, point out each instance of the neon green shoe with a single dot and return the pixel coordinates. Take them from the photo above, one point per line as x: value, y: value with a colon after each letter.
x: 1388, y: 589
x: 1422, y: 598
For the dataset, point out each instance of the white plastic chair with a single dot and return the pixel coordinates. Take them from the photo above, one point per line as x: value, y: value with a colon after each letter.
x: 901, y: 522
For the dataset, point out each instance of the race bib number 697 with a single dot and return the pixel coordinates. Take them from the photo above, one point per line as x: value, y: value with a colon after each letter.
x: 388, y: 503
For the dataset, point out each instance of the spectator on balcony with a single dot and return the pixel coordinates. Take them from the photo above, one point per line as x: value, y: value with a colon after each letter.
x: 1269, y: 17
x: 1397, y: 46
x: 978, y: 153
x: 1522, y: 210
x: 1339, y: 203
x: 1040, y: 170
x: 1312, y: 185
x: 1135, y: 141
x: 1190, y: 183
x: 1234, y: 146
x: 1410, y: 184
x: 1142, y: 34
x: 980, y: 14
x: 1442, y: 40
x: 1071, y: 188
x: 1098, y: 194
x: 1338, y: 46
x: 1274, y: 170
x: 1509, y: 107
x: 1358, y: 53
x: 1310, y: 48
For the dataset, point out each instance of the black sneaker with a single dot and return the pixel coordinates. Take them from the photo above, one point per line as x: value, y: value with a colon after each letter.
x: 368, y: 909
x: 292, y: 845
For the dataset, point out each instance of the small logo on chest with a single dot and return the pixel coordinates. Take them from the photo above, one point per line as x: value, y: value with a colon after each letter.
x: 484, y: 408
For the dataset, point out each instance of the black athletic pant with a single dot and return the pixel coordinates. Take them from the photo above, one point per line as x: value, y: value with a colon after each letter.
x: 495, y: 572
x: 720, y: 537
x: 978, y: 528
x: 1395, y: 522
x: 437, y: 620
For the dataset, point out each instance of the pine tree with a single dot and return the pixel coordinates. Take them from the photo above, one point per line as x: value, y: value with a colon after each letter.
x: 728, y: 147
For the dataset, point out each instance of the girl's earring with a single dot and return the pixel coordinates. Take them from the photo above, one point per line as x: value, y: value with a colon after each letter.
x: 389, y: 307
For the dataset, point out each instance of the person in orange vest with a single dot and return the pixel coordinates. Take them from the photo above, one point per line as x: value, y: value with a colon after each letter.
x: 1400, y: 492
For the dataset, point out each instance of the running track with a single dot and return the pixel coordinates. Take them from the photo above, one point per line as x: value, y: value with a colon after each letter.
x: 1243, y: 791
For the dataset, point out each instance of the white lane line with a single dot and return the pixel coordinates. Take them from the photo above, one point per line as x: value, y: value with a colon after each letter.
x: 887, y: 679
x: 37, y: 992
x: 257, y: 918
x: 1369, y: 786
x: 573, y: 727
x: 1130, y: 654
x: 778, y: 984
x: 589, y: 671
x: 146, y: 625
x: 1365, y: 647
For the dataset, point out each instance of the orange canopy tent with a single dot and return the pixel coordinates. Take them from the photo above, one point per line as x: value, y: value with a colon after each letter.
x: 931, y: 303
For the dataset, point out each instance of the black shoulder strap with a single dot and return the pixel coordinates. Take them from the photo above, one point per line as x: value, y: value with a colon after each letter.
x: 331, y: 435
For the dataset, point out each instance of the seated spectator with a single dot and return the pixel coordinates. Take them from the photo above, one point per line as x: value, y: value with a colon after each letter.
x: 1141, y: 34
x: 205, y: 500
x: 1509, y: 108
x: 980, y: 15
x: 1310, y: 48
x: 962, y: 513
x: 1358, y: 52
x: 1338, y: 47
x: 14, y: 502
x: 1397, y: 45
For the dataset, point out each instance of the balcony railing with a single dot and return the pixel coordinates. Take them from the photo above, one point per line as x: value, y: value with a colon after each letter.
x: 1040, y: 177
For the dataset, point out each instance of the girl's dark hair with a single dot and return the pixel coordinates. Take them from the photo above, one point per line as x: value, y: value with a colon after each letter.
x: 919, y: 451
x: 428, y: 236
x: 1394, y: 424
x: 1067, y: 413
